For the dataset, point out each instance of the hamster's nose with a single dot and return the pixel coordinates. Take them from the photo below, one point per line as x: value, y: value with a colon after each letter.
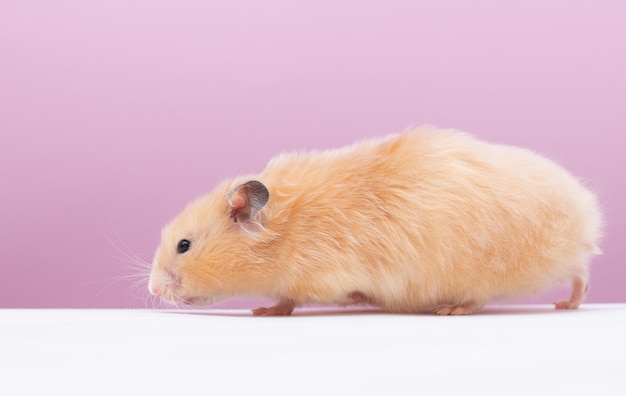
x: 154, y: 289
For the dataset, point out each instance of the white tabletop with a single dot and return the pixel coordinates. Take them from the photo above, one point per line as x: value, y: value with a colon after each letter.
x: 518, y: 350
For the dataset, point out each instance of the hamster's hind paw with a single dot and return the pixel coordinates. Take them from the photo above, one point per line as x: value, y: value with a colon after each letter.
x: 579, y: 290
x: 283, y: 308
x: 565, y: 305
x: 464, y: 309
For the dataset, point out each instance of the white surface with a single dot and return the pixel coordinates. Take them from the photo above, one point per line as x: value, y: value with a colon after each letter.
x: 521, y: 350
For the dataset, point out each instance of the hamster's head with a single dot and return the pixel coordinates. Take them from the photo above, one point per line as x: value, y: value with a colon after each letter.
x: 215, y: 248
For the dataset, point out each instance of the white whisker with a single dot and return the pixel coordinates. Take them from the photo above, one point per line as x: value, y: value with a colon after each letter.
x: 138, y: 269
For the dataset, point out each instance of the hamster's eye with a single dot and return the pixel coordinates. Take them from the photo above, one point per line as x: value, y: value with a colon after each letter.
x: 183, y: 246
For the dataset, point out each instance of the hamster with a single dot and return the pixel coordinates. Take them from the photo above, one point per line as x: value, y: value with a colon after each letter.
x: 426, y: 220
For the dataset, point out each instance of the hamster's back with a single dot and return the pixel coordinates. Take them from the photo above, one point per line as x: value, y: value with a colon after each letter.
x: 427, y: 217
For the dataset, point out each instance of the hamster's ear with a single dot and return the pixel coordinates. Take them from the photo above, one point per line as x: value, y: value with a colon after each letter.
x: 247, y: 199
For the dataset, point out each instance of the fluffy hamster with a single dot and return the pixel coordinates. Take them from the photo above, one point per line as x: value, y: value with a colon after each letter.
x: 427, y: 219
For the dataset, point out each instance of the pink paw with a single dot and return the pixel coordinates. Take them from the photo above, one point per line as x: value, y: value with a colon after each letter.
x: 465, y: 309
x: 281, y: 309
x: 565, y: 305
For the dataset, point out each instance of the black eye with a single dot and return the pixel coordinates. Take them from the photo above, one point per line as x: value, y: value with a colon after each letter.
x: 183, y: 246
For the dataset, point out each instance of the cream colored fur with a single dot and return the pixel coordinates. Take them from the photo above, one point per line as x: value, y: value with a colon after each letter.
x: 424, y: 219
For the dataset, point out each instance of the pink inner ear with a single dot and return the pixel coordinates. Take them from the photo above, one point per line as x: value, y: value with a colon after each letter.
x: 238, y: 204
x: 237, y: 201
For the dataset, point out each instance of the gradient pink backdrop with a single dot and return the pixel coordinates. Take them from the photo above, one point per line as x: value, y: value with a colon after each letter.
x: 114, y: 114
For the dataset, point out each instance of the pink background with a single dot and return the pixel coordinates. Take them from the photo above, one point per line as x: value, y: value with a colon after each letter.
x: 114, y: 114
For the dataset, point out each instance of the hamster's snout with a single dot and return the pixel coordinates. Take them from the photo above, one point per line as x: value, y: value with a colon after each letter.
x: 154, y: 290
x: 164, y: 284
x: 168, y: 286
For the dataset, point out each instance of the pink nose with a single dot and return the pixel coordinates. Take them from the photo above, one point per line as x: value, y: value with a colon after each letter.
x: 155, y: 290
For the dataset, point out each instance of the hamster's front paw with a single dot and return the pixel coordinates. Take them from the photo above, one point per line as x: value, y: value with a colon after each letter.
x: 283, y: 308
